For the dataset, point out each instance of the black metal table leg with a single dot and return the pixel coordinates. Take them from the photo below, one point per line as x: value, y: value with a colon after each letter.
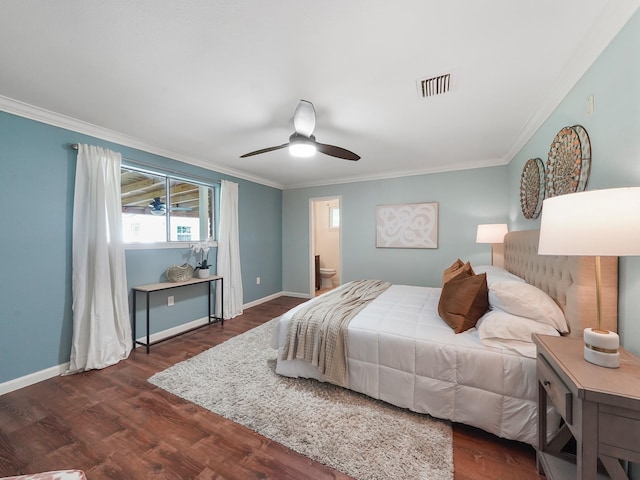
x: 148, y: 341
x: 135, y: 294
x: 209, y: 303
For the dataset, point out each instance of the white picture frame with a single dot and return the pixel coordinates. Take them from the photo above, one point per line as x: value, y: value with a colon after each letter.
x: 410, y: 225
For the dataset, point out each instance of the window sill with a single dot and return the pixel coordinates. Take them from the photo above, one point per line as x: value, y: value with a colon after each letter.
x: 158, y: 246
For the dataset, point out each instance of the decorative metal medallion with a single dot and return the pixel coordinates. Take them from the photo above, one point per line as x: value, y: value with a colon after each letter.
x: 569, y: 162
x: 532, y: 188
x: 585, y: 167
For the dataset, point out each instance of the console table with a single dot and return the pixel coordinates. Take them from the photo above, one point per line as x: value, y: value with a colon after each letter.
x: 157, y: 287
x: 600, y: 408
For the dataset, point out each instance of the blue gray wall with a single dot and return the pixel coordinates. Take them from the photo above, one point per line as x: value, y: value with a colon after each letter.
x: 614, y: 130
x: 37, y: 174
x: 465, y: 199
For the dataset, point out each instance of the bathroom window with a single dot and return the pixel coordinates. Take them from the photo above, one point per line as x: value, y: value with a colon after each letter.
x: 334, y: 217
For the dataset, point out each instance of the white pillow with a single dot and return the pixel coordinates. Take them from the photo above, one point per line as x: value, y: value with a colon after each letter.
x: 527, y: 301
x: 496, y: 274
x: 503, y: 330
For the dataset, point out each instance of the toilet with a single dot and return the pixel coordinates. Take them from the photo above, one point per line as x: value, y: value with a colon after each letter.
x: 325, y: 275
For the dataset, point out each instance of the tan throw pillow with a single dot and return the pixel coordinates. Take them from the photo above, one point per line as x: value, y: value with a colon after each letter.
x: 455, y: 268
x: 463, y: 300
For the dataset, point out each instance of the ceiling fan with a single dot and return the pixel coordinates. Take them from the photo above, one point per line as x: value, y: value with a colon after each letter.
x: 302, y: 143
x: 158, y: 207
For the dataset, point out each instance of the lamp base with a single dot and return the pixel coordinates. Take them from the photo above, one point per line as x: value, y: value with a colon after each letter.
x: 601, y: 348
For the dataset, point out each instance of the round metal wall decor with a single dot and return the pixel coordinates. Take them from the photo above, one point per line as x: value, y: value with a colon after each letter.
x: 569, y: 162
x: 532, y: 188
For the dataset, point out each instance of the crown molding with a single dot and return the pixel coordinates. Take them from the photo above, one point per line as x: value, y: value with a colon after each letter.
x: 613, y: 18
x: 42, y: 115
x: 399, y: 174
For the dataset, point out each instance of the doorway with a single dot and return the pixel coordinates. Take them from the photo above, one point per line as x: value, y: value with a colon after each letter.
x: 325, y: 244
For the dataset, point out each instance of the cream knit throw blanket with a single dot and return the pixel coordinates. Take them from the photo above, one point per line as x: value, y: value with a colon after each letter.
x: 318, y: 332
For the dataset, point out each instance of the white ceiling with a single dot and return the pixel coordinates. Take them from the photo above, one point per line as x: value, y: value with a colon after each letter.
x: 205, y: 81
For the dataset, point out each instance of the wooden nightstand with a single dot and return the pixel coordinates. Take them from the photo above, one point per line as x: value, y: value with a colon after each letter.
x: 600, y: 408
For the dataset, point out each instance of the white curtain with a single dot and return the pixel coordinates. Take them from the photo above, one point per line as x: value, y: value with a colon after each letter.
x: 101, y: 326
x: 228, y: 262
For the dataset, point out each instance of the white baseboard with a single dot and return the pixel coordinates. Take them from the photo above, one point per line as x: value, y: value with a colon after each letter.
x: 32, y: 378
x: 273, y: 297
x: 51, y: 372
x: 296, y: 294
x: 261, y: 300
x: 169, y: 332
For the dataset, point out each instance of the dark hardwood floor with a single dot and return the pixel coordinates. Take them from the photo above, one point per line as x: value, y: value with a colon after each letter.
x: 113, y: 424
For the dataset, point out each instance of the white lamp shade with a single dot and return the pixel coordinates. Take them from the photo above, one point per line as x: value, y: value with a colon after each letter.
x: 491, y: 233
x: 595, y: 223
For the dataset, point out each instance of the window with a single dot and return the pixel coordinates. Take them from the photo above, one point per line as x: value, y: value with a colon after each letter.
x: 334, y: 217
x: 158, y: 208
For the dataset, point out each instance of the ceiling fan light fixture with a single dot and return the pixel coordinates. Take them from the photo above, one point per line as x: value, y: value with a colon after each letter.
x: 302, y: 150
x: 302, y: 147
x: 158, y: 211
x: 157, y: 207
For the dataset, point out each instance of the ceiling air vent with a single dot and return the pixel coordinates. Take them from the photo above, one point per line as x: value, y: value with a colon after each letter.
x: 430, y: 87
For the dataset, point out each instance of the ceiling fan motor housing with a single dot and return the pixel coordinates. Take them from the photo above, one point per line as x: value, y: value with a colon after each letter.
x: 302, y: 146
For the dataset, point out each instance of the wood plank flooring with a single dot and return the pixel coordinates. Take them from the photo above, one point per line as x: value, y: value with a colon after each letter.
x: 113, y: 424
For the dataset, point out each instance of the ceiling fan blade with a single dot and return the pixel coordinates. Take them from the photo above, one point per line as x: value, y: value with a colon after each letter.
x: 304, y: 122
x: 304, y: 118
x: 337, y: 152
x: 264, y: 150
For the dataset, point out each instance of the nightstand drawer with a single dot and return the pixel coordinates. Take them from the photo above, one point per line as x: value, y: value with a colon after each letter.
x: 619, y: 428
x: 558, y: 392
x: 601, y: 408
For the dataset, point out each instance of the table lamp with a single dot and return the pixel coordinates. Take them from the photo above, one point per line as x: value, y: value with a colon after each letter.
x: 492, y: 233
x: 594, y: 223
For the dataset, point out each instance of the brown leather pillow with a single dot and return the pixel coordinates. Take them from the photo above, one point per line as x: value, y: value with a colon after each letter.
x: 463, y: 300
x: 455, y: 268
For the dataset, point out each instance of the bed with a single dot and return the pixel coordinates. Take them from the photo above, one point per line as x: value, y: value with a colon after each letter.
x: 399, y: 350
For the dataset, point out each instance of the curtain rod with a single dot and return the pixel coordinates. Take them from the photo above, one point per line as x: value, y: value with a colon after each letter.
x: 74, y: 146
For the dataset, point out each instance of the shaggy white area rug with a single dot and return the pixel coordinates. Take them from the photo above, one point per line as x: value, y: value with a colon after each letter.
x: 355, y: 434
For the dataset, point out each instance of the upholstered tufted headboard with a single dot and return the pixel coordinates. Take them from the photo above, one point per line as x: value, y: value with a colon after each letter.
x: 570, y: 281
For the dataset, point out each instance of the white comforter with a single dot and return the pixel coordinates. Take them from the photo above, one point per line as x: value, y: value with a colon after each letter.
x: 402, y: 352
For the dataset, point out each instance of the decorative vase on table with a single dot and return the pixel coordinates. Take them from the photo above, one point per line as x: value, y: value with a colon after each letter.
x: 180, y: 273
x: 202, y: 250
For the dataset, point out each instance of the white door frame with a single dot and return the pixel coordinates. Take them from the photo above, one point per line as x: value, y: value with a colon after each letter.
x: 312, y: 283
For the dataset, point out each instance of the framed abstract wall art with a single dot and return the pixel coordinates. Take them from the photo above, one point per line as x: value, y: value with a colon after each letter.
x: 411, y: 225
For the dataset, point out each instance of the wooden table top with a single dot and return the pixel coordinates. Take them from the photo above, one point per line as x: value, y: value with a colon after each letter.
x: 152, y: 287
